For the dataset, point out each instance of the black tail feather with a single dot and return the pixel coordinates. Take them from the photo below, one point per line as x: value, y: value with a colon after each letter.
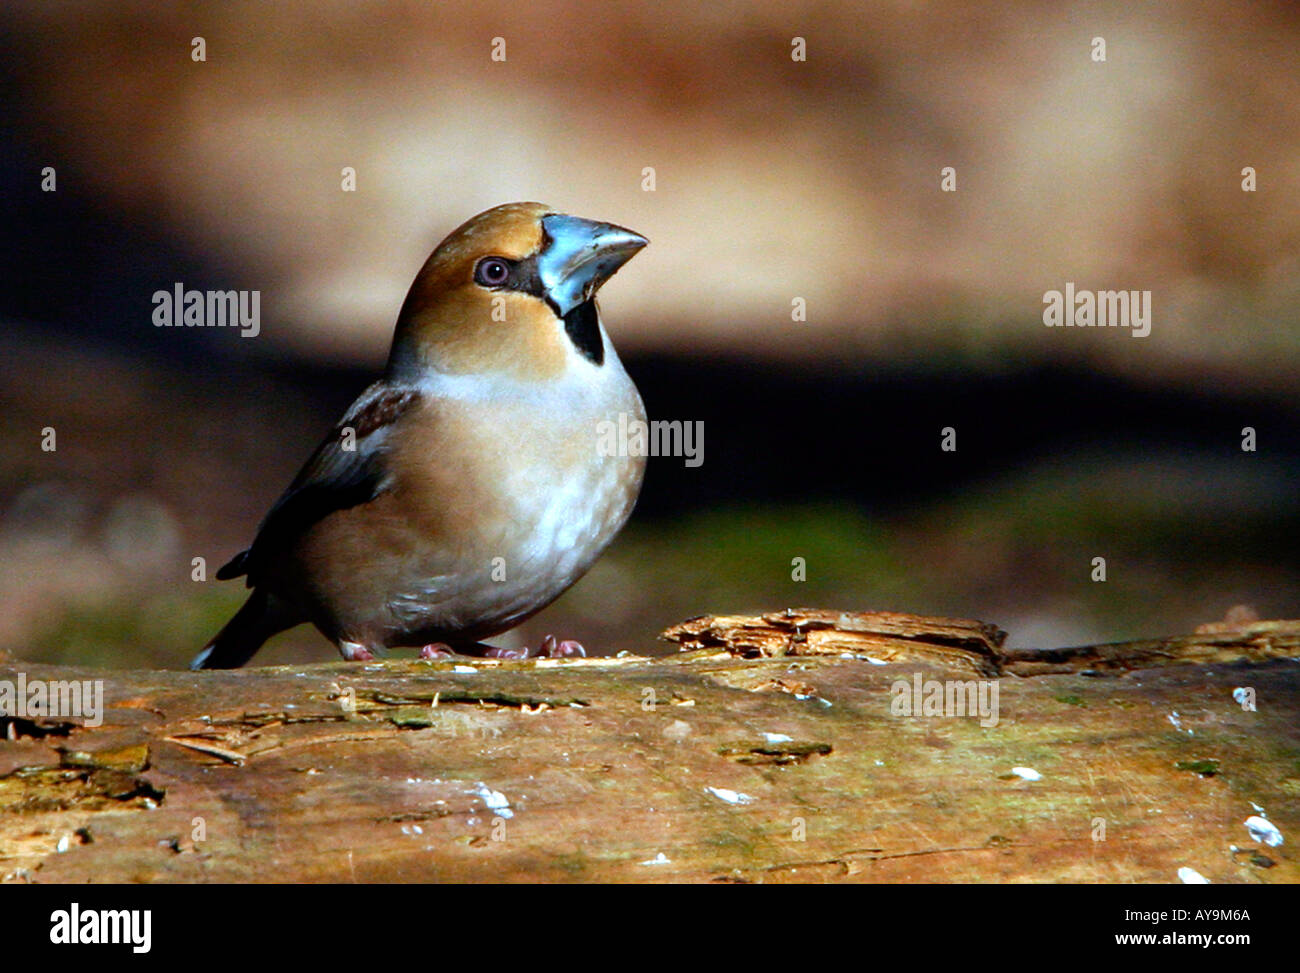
x: 236, y: 567
x: 261, y: 617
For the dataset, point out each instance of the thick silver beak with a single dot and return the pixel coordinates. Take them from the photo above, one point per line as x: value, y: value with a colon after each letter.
x: 580, y: 255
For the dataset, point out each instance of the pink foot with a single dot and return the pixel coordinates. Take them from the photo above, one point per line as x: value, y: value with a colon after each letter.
x: 436, y: 650
x: 568, y: 649
x: 497, y: 652
x: 549, y: 648
x: 355, y: 652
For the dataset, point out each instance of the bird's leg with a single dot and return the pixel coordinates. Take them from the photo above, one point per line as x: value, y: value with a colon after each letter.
x: 355, y: 652
x: 436, y: 650
x: 565, y: 649
x: 448, y: 650
x: 550, y: 648
x: 497, y: 652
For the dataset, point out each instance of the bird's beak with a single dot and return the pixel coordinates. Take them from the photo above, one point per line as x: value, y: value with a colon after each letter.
x: 579, y: 256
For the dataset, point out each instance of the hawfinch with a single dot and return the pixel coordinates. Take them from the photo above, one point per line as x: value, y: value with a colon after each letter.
x: 465, y: 490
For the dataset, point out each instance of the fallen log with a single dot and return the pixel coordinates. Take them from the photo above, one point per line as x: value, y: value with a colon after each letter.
x: 802, y: 745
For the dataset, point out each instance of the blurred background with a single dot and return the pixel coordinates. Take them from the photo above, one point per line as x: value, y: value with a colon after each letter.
x: 774, y: 179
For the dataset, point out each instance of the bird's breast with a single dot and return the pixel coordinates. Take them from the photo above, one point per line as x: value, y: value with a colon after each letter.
x: 496, y: 505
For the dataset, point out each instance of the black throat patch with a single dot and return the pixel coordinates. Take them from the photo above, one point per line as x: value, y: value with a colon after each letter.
x: 582, y: 325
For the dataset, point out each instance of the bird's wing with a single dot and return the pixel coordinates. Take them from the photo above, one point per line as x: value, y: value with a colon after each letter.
x: 347, y: 469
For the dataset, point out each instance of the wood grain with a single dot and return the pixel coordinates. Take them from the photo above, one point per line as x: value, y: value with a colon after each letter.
x: 773, y: 751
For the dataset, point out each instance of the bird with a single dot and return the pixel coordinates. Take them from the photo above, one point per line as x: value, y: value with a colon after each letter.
x: 465, y: 490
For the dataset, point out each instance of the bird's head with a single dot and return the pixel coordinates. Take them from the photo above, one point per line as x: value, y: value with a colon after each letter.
x: 511, y: 291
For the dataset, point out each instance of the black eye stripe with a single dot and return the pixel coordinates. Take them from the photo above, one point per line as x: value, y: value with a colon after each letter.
x: 521, y: 275
x: 525, y: 278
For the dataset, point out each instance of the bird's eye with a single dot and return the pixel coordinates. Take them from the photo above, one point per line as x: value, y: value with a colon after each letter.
x: 492, y: 272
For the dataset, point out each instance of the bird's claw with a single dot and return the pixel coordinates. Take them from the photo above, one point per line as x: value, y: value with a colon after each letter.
x: 566, y: 649
x: 550, y: 649
x: 355, y: 652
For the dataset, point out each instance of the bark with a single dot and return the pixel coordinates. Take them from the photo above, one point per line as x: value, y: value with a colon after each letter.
x: 772, y: 748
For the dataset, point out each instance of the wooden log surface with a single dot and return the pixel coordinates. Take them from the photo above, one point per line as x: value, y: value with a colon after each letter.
x: 774, y: 749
